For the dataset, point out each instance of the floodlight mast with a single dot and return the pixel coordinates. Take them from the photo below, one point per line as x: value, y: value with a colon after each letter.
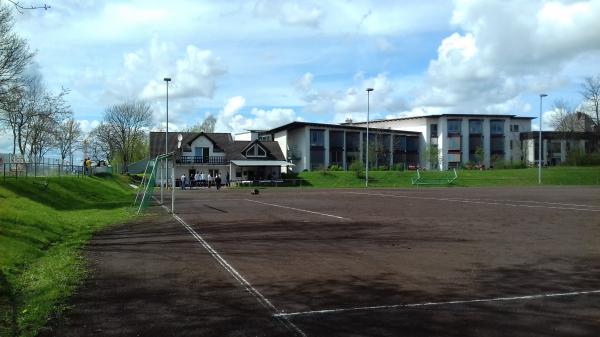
x: 540, y: 143
x: 367, y: 145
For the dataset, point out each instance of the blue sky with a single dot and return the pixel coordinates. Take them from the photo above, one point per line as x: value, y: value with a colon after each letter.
x: 259, y: 64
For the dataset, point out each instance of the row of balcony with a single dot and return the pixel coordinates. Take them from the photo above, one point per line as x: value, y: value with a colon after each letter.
x: 217, y: 160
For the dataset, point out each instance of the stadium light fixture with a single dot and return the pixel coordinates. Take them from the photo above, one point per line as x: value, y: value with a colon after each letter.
x: 367, y: 145
x: 540, y: 143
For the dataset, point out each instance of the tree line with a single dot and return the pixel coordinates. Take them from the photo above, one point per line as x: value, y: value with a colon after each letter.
x: 581, y: 117
x: 38, y: 119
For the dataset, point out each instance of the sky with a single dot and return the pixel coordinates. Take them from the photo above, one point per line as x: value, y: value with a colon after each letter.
x: 260, y: 64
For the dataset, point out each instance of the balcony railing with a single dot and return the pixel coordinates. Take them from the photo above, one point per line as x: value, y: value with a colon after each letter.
x: 216, y: 160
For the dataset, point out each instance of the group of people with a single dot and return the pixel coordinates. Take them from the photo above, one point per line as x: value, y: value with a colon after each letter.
x: 201, y: 180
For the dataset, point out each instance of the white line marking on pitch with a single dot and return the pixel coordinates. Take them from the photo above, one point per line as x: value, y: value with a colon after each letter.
x: 238, y: 277
x: 298, y: 209
x: 429, y: 304
x: 531, y: 202
x: 476, y: 202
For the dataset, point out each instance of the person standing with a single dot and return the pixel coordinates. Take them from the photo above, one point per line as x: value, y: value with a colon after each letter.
x: 183, y: 182
x: 209, y: 179
x: 218, y: 182
x: 202, y: 179
x: 227, y: 179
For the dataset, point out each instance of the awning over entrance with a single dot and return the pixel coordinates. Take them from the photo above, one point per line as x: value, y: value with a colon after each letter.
x: 261, y: 163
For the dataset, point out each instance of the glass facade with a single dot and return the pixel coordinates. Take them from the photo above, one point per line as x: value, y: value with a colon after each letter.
x: 352, y: 147
x: 454, y: 126
x: 497, y: 127
x: 475, y: 126
x: 317, y: 149
x: 336, y: 148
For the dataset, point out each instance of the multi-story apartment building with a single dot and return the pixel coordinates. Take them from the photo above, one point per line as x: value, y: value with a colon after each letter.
x: 452, y: 140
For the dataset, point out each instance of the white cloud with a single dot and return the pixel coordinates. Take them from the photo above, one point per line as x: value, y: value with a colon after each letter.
x: 194, y: 76
x: 231, y: 119
x: 507, y: 49
x: 352, y: 102
x: 87, y: 125
x: 300, y: 13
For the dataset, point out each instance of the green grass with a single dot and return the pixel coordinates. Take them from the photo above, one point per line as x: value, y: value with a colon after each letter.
x: 468, y: 178
x: 42, y: 230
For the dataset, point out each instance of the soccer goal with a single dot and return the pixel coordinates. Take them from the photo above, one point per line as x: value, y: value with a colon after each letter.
x: 159, y: 172
x: 421, y: 180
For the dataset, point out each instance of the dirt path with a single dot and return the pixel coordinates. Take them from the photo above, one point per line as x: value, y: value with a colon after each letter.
x: 151, y: 278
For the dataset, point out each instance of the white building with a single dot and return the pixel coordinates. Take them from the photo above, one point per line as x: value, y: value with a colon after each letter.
x: 220, y: 154
x: 460, y: 139
x: 313, y: 146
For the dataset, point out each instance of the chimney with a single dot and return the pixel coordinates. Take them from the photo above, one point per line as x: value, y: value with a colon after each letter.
x: 348, y: 120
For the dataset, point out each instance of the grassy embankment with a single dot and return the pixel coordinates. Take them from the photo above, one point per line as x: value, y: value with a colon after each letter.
x: 42, y: 229
x: 467, y: 178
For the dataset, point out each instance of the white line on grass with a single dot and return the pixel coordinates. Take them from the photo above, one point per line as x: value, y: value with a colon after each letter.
x: 298, y: 209
x: 430, y: 304
x: 238, y: 277
x: 475, y: 202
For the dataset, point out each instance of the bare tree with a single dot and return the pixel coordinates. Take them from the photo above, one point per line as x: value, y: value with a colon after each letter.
x: 126, y: 123
x: 207, y: 125
x: 14, y: 53
x: 68, y: 136
x: 100, y: 143
x: 20, y: 8
x: 565, y: 118
x: 590, y: 90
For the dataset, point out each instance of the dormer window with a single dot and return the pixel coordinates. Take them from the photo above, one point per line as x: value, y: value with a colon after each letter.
x: 255, y: 151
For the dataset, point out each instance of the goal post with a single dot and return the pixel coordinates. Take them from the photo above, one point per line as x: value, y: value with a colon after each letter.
x: 156, y: 168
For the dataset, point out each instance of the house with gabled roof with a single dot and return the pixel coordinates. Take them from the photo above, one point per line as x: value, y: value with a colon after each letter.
x: 220, y: 154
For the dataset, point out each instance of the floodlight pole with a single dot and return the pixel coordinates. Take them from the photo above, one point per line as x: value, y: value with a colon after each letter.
x: 540, y: 143
x: 367, y: 145
x: 166, y: 176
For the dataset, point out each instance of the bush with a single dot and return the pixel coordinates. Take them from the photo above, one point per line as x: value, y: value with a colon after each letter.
x: 398, y: 167
x: 577, y: 158
x: 358, y: 169
x: 335, y: 168
x: 289, y: 175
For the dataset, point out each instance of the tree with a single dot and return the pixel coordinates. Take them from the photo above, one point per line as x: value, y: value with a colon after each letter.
x: 207, y: 125
x: 432, y: 154
x: 14, y: 53
x: 590, y: 90
x: 125, y: 125
x: 67, y: 137
x: 565, y: 118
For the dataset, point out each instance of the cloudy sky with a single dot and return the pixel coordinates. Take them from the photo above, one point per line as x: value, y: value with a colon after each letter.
x: 259, y: 64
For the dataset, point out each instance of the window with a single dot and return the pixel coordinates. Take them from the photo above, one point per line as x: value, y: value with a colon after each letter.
x: 336, y: 148
x: 255, y: 151
x: 497, y: 127
x: 265, y: 138
x: 454, y: 143
x: 317, y: 158
x: 454, y: 125
x: 317, y: 138
x: 412, y: 144
x: 352, y: 147
x: 514, y: 128
x: 433, y: 131
x: 475, y: 126
x: 454, y: 157
x: 497, y: 144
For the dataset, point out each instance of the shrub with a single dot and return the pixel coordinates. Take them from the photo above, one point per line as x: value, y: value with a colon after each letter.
x: 358, y: 169
x: 335, y: 168
x: 577, y: 158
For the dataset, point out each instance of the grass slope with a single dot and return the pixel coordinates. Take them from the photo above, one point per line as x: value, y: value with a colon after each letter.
x: 467, y: 178
x: 42, y: 229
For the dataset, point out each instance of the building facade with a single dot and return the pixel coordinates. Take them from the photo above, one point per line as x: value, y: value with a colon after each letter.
x: 556, y: 146
x: 315, y: 146
x: 454, y: 140
x: 220, y: 154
